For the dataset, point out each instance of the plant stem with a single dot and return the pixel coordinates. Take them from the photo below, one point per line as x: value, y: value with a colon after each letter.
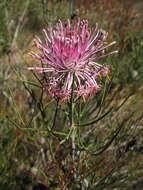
x: 55, y: 115
x: 72, y: 127
x: 71, y: 8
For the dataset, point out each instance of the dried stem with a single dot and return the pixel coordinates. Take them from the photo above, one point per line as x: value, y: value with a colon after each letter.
x: 19, y: 24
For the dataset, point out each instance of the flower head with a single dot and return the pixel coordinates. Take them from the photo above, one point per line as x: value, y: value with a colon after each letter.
x: 69, y: 59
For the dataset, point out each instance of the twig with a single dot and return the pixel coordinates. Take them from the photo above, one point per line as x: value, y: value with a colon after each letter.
x: 19, y: 24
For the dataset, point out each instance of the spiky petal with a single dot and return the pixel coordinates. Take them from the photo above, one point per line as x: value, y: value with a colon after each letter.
x: 69, y: 59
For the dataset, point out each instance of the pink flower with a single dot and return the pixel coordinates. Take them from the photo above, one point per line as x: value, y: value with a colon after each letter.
x: 69, y: 59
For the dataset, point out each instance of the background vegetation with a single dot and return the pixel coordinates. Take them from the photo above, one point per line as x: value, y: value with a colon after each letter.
x: 110, y: 148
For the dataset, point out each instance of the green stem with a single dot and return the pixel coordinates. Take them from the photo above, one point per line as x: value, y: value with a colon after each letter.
x: 72, y: 127
x: 55, y: 115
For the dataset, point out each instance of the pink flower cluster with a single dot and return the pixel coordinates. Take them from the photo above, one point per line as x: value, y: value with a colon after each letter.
x: 68, y: 59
